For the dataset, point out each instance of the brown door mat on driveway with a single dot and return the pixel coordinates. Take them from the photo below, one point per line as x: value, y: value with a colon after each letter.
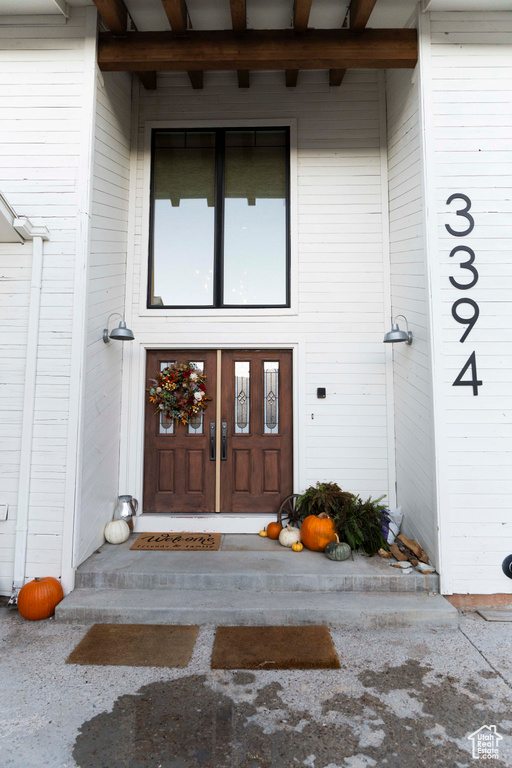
x: 136, y: 645
x: 306, y: 647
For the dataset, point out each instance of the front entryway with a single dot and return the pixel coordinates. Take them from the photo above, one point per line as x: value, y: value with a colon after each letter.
x: 238, y: 455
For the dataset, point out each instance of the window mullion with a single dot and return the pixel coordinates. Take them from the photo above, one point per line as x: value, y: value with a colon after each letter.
x: 220, y: 152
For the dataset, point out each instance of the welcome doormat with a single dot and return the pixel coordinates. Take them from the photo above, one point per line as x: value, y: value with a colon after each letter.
x: 307, y: 647
x: 197, y: 542
x: 136, y: 645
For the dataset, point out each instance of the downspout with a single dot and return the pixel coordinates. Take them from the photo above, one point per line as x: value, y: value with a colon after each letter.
x: 37, y: 234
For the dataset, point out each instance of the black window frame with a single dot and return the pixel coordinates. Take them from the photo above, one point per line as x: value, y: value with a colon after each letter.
x: 218, y: 256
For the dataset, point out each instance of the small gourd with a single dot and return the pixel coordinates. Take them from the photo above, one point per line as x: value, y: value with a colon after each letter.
x: 337, y: 550
x: 273, y: 530
x: 116, y: 532
x: 298, y: 546
x: 263, y: 532
x: 289, y: 536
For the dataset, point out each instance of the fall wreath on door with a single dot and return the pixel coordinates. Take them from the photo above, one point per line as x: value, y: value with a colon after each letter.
x: 179, y: 392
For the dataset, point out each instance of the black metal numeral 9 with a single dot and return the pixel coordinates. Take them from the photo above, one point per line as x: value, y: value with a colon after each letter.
x: 469, y: 321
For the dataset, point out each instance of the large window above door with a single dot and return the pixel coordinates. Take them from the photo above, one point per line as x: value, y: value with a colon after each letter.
x: 220, y: 219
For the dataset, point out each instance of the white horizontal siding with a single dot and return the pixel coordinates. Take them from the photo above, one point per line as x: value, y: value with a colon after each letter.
x: 340, y: 282
x: 472, y: 98
x: 106, y: 289
x: 40, y: 103
x: 413, y: 409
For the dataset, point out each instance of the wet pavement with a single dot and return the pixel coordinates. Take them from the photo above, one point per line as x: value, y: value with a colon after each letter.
x: 401, y: 698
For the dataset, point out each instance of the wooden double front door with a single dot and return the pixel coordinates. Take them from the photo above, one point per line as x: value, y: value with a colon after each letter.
x: 236, y: 456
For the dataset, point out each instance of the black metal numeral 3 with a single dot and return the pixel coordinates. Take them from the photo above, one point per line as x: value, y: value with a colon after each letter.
x: 461, y: 212
x: 465, y: 265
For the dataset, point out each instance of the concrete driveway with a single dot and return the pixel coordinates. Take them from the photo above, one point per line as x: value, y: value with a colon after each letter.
x: 402, y: 698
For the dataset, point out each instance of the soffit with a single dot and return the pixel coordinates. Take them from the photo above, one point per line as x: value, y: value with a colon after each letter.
x: 38, y: 7
x: 214, y: 14
x: 466, y: 5
x: 149, y: 15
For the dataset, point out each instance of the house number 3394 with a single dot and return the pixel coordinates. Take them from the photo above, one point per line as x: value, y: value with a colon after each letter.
x: 470, y: 280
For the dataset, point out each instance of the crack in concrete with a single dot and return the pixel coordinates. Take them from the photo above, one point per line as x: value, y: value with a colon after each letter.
x: 484, y: 657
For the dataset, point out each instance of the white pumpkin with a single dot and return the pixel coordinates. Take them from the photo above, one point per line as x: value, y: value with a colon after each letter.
x: 289, y: 536
x: 116, y: 532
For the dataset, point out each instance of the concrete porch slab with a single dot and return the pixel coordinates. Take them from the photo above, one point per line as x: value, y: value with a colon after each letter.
x: 250, y: 580
x: 245, y: 562
x: 248, y: 607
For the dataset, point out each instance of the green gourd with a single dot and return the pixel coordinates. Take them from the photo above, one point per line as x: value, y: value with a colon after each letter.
x: 337, y: 550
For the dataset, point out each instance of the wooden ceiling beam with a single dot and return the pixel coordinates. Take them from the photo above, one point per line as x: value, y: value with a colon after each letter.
x: 336, y: 76
x: 292, y: 75
x: 259, y: 49
x: 177, y: 14
x: 360, y: 11
x: 148, y: 80
x: 238, y: 15
x: 243, y: 78
x: 115, y: 15
x: 239, y: 23
x: 301, y: 11
x: 196, y: 79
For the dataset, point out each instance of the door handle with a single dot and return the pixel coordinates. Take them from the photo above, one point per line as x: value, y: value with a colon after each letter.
x: 224, y: 442
x: 212, y: 441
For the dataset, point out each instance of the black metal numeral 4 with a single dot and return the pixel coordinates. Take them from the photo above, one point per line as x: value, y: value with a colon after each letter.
x: 473, y: 381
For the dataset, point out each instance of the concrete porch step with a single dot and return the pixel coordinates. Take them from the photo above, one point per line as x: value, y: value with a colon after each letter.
x: 249, y: 607
x: 245, y: 563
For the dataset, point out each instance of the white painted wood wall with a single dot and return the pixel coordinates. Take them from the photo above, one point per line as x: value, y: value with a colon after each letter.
x: 468, y: 122
x: 340, y: 285
x: 41, y: 81
x: 412, y: 365
x: 105, y: 295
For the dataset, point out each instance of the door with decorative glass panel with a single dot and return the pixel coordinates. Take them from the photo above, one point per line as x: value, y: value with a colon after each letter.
x: 238, y: 455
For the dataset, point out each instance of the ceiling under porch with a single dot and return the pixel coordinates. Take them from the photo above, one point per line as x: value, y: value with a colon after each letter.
x: 199, y: 36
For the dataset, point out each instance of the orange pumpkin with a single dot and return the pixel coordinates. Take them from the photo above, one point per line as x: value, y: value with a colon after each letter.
x: 273, y: 530
x: 317, y: 531
x: 38, y: 598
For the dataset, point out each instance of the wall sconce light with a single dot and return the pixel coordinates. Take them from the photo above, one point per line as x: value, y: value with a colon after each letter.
x: 121, y: 333
x: 395, y: 334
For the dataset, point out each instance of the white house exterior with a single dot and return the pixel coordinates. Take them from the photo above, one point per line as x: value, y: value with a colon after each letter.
x: 372, y: 164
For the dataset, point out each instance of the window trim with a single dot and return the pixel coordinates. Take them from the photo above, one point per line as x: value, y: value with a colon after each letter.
x: 218, y: 255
